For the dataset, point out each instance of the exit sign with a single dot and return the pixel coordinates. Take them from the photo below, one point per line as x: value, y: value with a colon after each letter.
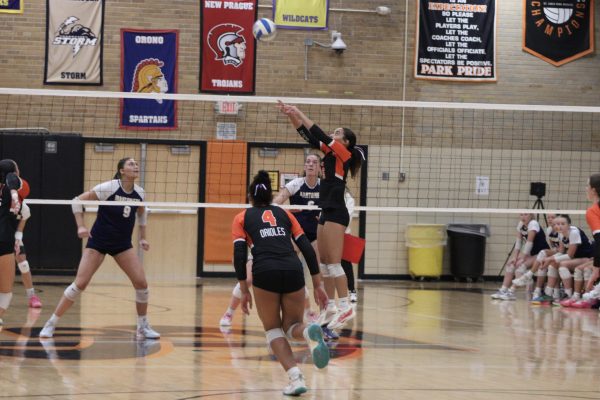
x: 228, y: 107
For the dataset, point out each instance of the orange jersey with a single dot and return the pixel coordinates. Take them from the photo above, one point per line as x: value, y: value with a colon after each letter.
x: 592, y: 216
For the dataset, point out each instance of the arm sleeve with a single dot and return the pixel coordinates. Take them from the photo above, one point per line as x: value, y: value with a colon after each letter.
x: 240, y: 254
x: 306, y: 135
x: 309, y: 254
x: 25, y: 212
x: 597, y: 250
x: 12, y: 181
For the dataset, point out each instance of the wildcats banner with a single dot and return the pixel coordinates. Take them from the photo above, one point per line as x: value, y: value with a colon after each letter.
x: 228, y: 55
x: 74, y: 42
x: 11, y: 6
x: 456, y: 41
x: 149, y: 65
x: 558, y: 31
x: 301, y: 14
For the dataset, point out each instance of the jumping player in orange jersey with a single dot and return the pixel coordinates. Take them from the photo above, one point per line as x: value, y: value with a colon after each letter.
x: 592, y: 216
x: 277, y: 278
x: 111, y: 234
x: 342, y: 156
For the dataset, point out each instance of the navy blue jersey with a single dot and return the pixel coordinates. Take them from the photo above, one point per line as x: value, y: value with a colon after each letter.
x: 114, y: 224
x: 539, y: 241
x: 552, y: 238
x: 8, y: 220
x: 303, y: 194
x: 578, y: 237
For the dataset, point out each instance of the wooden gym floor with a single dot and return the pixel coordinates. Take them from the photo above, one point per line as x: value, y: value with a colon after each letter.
x: 409, y: 341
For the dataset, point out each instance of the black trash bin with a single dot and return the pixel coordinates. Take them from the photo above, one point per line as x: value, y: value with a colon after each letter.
x: 467, y: 250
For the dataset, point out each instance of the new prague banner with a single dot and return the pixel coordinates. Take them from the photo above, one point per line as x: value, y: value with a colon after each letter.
x: 558, y: 31
x: 11, y: 6
x: 301, y: 14
x: 149, y: 65
x: 228, y: 55
x: 74, y: 42
x: 456, y: 41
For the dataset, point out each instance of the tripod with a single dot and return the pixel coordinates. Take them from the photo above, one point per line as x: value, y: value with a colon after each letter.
x: 538, y: 204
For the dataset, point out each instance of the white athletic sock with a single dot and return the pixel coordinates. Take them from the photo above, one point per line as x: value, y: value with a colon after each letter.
x: 294, y: 373
x: 537, y: 292
x: 556, y: 292
x: 30, y: 292
x: 331, y: 303
x: 229, y: 311
x: 344, y: 303
x: 141, y: 320
x: 529, y: 274
x: 503, y: 288
x: 569, y: 292
x: 53, y: 319
x: 548, y: 291
x: 576, y: 295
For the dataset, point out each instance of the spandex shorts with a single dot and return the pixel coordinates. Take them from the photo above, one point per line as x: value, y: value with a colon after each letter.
x: 279, y: 281
x: 110, y: 250
x: 338, y: 215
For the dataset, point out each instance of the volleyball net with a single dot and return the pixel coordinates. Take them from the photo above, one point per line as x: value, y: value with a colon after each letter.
x: 427, y: 162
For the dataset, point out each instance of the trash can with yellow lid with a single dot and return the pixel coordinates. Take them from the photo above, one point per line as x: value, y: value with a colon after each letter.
x: 425, y: 244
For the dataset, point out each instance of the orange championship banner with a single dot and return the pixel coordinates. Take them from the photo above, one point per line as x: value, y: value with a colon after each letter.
x: 558, y: 31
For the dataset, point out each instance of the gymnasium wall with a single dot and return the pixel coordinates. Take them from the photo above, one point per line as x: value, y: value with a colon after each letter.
x: 373, y: 67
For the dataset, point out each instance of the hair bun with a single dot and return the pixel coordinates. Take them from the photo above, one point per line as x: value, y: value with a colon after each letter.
x: 263, y: 176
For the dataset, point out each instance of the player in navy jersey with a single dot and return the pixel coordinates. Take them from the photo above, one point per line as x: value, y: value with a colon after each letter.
x: 299, y: 191
x: 342, y: 156
x: 111, y: 234
x: 9, y: 208
x: 277, y: 278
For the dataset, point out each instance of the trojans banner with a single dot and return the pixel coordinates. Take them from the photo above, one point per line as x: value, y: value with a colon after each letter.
x: 74, y: 42
x: 11, y: 6
x: 558, y: 31
x: 301, y: 14
x: 228, y: 55
x: 456, y: 41
x: 149, y: 65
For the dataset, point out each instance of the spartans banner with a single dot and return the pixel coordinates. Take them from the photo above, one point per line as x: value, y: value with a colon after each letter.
x: 149, y: 65
x: 456, y: 41
x: 74, y: 31
x: 228, y: 55
x: 11, y: 6
x: 301, y: 14
x: 558, y: 31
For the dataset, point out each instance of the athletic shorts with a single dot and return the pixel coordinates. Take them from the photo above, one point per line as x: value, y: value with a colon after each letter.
x: 338, y: 215
x: 7, y: 248
x: 105, y: 249
x: 279, y: 281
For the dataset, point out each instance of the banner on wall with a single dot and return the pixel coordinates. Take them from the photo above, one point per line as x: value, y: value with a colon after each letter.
x: 11, y: 6
x: 74, y: 30
x: 301, y: 14
x: 228, y: 55
x: 456, y: 41
x: 558, y: 31
x: 149, y: 65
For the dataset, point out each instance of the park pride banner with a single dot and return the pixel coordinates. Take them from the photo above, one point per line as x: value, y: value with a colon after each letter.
x: 228, y: 55
x: 558, y: 31
x: 74, y: 30
x: 149, y: 65
x: 456, y: 41
x: 301, y: 14
x: 11, y: 6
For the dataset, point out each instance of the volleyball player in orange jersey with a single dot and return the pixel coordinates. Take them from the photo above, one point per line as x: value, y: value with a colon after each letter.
x: 342, y: 156
x: 278, y: 278
x: 9, y: 208
x: 592, y: 216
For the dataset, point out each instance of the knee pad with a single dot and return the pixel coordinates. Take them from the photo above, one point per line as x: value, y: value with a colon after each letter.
x: 564, y: 273
x: 72, y: 292
x: 541, y: 272
x: 541, y: 255
x: 24, y: 266
x: 237, y: 292
x: 142, y: 295
x: 290, y: 330
x: 336, y: 270
x: 578, y: 275
x: 521, y: 269
x: 510, y: 269
x: 324, y: 270
x: 5, y: 299
x: 273, y: 334
x: 587, y: 274
x: 552, y: 272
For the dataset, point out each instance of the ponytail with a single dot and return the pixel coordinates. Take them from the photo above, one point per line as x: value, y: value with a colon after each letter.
x: 120, y: 166
x: 595, y: 183
x: 358, y: 154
